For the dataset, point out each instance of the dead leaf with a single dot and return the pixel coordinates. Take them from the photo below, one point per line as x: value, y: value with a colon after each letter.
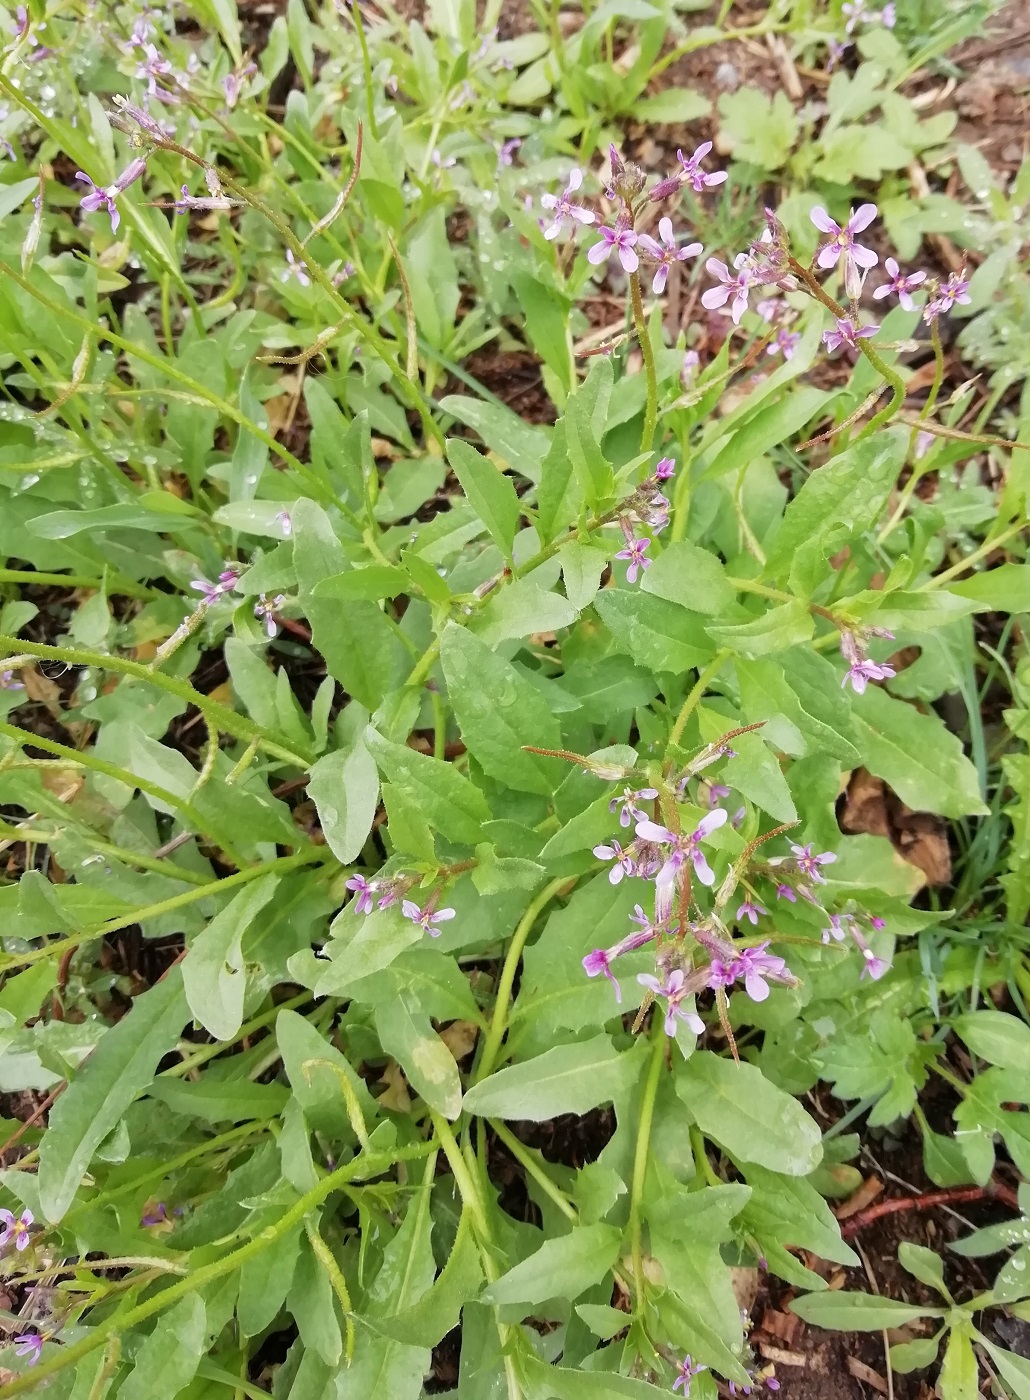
x: 395, y: 1096
x: 866, y: 1374
x: 64, y: 783
x: 781, y: 1357
x: 864, y: 1196
x: 920, y: 838
x: 744, y: 1283
x: 865, y: 806
x: 460, y: 1038
x: 781, y: 1325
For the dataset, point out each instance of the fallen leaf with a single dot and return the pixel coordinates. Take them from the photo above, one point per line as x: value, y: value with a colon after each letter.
x: 395, y: 1096
x: 864, y: 1196
x: 744, y: 1283
x: 781, y: 1357
x: 866, y: 1374
x: 460, y: 1038
x: 920, y: 838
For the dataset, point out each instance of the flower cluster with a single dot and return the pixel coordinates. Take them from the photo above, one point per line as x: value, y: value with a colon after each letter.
x: 100, y: 198
x: 384, y: 892
x: 211, y: 592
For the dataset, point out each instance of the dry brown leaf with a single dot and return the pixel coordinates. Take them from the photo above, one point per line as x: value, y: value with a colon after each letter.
x: 865, y: 806
x: 920, y: 838
x: 867, y: 1375
x: 460, y: 1038
x: 781, y: 1357
x: 744, y: 1283
x: 395, y: 1096
x: 783, y: 1326
x: 864, y: 1196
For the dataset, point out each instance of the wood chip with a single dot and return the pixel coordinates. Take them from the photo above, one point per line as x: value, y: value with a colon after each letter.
x: 864, y: 1196
x: 781, y: 1357
x: 781, y: 1325
x: 867, y: 1375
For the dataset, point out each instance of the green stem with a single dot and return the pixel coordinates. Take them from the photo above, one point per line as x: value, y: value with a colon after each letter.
x: 363, y: 1166
x: 986, y: 548
x: 334, y: 1273
x: 499, y: 1023
x: 119, y: 586
x: 220, y: 1047
x: 692, y: 701
x: 217, y: 714
x: 658, y: 1042
x: 647, y: 350
x: 528, y: 1161
x: 151, y: 911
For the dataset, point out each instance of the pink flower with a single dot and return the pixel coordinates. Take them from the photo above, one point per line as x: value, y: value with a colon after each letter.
x: 363, y: 892
x: 628, y: 801
x: 686, y: 1373
x: 784, y: 343
x: 808, y: 864
x: 736, y: 285
x: 635, y: 552
x: 750, y: 910
x: 675, y: 993
x: 15, y: 1228
x: 665, y: 469
x: 684, y: 847
x: 612, y: 239
x: 842, y: 244
x: 954, y: 292
x: 294, y: 269
x: 861, y: 668
x: 426, y: 918
x: 845, y: 332
x: 28, y: 1344
x: 695, y: 176
x: 105, y: 198
x: 902, y: 285
x: 665, y: 253
x: 562, y: 208
x: 598, y: 962
x: 624, y: 862
x: 753, y: 966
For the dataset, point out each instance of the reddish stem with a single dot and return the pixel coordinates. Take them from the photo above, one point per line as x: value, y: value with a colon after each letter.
x: 954, y: 1195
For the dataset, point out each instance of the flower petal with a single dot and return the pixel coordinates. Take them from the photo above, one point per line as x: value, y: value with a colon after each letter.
x: 822, y: 220
x: 862, y: 217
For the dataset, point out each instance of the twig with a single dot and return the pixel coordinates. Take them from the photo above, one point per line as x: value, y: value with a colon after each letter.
x: 994, y: 1190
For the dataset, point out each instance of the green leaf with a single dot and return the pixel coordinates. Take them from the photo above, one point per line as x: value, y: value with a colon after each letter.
x: 311, y: 1301
x: 438, y: 1310
x: 498, y: 711
x: 737, y: 1107
x: 913, y: 1356
x: 693, y: 577
x: 168, y: 1359
x: 592, y: 468
x: 315, y: 1068
x: 520, y: 609
x: 836, y: 504
x: 117, y: 1072
x: 767, y: 428
x: 582, y: 1385
x: 1014, y: 1370
x: 213, y: 971
x: 371, y: 583
x: 446, y: 799
x: 488, y: 491
x: 923, y: 1264
x: 406, y: 1032
x: 361, y: 946
x: 857, y: 1312
x: 344, y: 787
x: 13, y: 196
x: 219, y: 1100
x: 799, y: 696
x: 1005, y: 588
x: 582, y: 567
x: 522, y: 445
x: 774, y: 631
x: 997, y: 1037
x: 567, y: 1079
x: 916, y: 754
x: 762, y: 129
x: 673, y: 106
x: 546, y: 311
x: 265, y: 1281
x: 562, y: 1267
x: 959, y: 1373
x: 655, y: 633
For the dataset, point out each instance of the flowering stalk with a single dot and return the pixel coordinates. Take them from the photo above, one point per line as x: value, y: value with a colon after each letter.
x: 647, y: 351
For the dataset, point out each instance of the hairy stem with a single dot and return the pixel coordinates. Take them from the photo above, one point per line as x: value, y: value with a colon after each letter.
x: 647, y: 350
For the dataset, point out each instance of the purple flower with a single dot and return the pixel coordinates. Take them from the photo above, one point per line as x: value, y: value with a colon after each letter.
x: 734, y: 284
x: 692, y: 172
x: 264, y: 610
x: 784, y: 343
x: 954, y: 292
x: 786, y: 892
x: 855, y: 12
x: 750, y: 910
x: 598, y: 962
x: 691, y: 363
x: 665, y: 253
x: 665, y: 188
x: 808, y: 864
x: 562, y: 208
x: 753, y: 966
x: 901, y: 284
x: 628, y: 802
x: 28, y: 1344
x: 716, y: 792
x: 845, y: 332
x: 665, y: 469
x: 622, y: 239
x: 105, y: 199
x: 836, y: 930
x: 842, y: 244
x: 769, y: 308
x: 872, y: 966
x: 837, y: 52
x: 363, y: 892
x: 506, y: 151
x: 877, y: 923
x: 232, y: 84
x: 213, y: 591
x: 294, y: 269
x: 151, y: 67
x: 157, y: 1216
x: 426, y: 918
x: 635, y: 551
x: 15, y: 1228
x: 675, y: 993
x: 686, y: 1373
x: 624, y: 862
x: 861, y: 669
x: 684, y: 847
x: 7, y: 681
